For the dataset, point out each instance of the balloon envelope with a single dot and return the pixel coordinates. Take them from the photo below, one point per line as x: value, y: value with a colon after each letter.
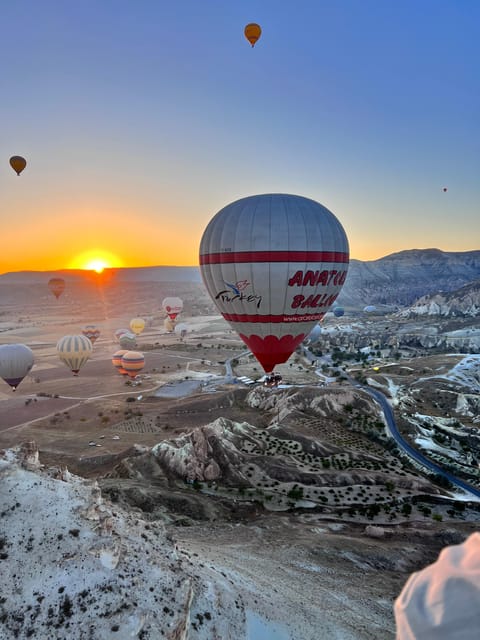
x: 252, y: 32
x: 119, y: 333
x: 117, y: 360
x: 18, y: 164
x: 338, y: 312
x: 181, y: 329
x: 91, y: 332
x: 56, y: 286
x: 74, y: 351
x: 172, y: 307
x: 314, y: 334
x: 274, y: 264
x: 16, y: 360
x: 128, y: 340
x: 137, y: 325
x: 133, y: 362
x: 370, y: 308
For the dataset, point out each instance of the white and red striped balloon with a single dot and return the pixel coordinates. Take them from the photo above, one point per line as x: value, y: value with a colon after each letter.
x: 274, y: 264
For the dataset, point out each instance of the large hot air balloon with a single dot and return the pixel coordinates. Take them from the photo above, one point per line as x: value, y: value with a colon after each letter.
x: 338, y: 312
x: 133, y: 362
x: 74, y: 351
x: 16, y: 360
x: 274, y: 264
x: 252, y: 32
x: 172, y: 307
x: 137, y: 325
x: 91, y: 332
x: 18, y: 164
x: 117, y: 360
x: 56, y: 286
x: 128, y: 340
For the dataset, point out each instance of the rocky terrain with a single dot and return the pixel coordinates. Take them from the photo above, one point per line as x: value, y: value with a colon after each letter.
x: 217, y: 510
x: 463, y: 302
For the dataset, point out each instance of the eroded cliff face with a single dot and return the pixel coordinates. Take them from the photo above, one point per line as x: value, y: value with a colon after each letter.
x: 72, y: 565
x: 463, y: 302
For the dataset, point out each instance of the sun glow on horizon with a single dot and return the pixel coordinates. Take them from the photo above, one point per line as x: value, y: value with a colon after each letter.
x: 97, y: 265
x: 95, y: 260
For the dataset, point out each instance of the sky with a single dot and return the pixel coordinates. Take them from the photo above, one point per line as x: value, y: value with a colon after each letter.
x: 140, y: 119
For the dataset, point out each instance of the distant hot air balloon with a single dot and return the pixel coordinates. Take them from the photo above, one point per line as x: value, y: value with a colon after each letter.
x: 133, y: 362
x: 18, y: 164
x: 128, y: 340
x: 91, y: 332
x: 137, y: 325
x: 445, y: 189
x: 370, y: 308
x: 338, y: 312
x: 119, y: 333
x: 117, y: 360
x: 16, y: 360
x: 274, y: 264
x: 252, y: 32
x: 314, y: 334
x: 56, y: 286
x: 74, y: 351
x: 172, y: 307
x: 169, y: 325
x: 181, y: 329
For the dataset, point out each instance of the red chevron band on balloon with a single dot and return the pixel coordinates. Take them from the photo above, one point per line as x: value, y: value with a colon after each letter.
x: 271, y: 350
x: 245, y: 317
x: 274, y: 256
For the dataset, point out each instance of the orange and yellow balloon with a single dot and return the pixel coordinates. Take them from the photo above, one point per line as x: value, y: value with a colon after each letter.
x: 252, y: 32
x: 117, y: 361
x: 133, y: 362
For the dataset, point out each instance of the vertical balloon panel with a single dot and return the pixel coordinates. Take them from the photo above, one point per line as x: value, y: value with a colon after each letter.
x: 274, y: 264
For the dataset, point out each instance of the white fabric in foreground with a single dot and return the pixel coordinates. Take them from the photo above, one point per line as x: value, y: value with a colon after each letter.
x: 442, y: 602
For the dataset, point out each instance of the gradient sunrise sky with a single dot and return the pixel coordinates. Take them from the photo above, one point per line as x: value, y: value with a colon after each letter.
x: 140, y: 119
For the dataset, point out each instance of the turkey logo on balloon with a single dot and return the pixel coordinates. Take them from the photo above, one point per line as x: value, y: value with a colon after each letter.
x: 274, y: 264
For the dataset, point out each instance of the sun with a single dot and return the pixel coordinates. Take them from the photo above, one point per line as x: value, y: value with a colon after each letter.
x: 95, y: 260
x: 97, y: 265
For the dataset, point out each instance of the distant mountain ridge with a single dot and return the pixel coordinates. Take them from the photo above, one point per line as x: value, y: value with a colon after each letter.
x: 403, y: 277
x: 397, y: 279
x: 126, y: 274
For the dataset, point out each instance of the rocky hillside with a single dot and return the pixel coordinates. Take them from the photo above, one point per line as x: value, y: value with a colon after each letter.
x: 315, y: 457
x: 74, y: 567
x: 463, y: 302
x: 401, y: 278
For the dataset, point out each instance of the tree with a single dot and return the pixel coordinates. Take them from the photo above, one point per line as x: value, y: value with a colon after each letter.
x: 295, y: 493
